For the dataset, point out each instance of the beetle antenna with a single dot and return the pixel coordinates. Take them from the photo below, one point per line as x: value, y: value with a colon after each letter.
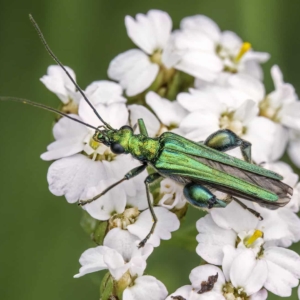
x: 40, y: 34
x: 43, y: 106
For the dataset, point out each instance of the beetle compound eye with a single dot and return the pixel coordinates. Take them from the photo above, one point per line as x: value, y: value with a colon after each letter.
x: 117, y: 148
x: 126, y: 127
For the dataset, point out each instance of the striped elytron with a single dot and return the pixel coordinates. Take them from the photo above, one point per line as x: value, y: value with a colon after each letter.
x: 200, y: 167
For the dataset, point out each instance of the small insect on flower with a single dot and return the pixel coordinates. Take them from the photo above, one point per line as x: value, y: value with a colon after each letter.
x: 201, y: 168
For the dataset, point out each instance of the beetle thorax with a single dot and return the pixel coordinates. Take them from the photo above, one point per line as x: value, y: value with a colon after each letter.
x: 143, y: 148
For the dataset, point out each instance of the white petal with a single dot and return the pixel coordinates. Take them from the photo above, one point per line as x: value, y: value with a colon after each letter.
x: 260, y: 295
x: 277, y: 77
x: 205, y: 99
x: 212, y: 239
x: 194, y: 40
x: 260, y: 57
x: 171, y: 55
x: 63, y: 148
x: 261, y: 132
x: 233, y: 216
x: 202, y: 120
x: 146, y: 287
x: 251, y: 68
x: 231, y: 41
x: 247, y: 87
x: 230, y: 253
x: 122, y: 241
x: 257, y: 278
x: 248, y: 273
x: 149, y: 32
x: 291, y: 115
x: 246, y: 112
x: 91, y: 260
x: 70, y: 176
x: 134, y: 71
x: 206, y: 66
x: 141, y: 112
x: 169, y: 113
x: 109, y: 204
x: 299, y: 292
x: 116, y: 114
x: 282, y: 226
x: 201, y: 273
x: 284, y: 269
x: 66, y: 128
x: 204, y: 24
x: 167, y: 222
x: 69, y: 137
x: 119, y: 167
x: 115, y: 264
x: 58, y: 82
x: 183, y: 291
x: 104, y: 92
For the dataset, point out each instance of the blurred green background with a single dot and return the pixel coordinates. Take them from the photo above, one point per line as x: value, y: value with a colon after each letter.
x: 41, y: 240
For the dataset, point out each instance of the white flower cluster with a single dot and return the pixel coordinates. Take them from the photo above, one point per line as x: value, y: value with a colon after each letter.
x: 196, y: 80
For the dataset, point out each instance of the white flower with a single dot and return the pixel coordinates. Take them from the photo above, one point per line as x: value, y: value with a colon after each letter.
x: 282, y: 105
x: 197, y: 276
x: 171, y: 194
x: 59, y: 83
x: 146, y: 287
x: 137, y: 69
x: 197, y: 54
x: 74, y: 173
x: 235, y: 227
x: 201, y: 34
x: 235, y: 283
x: 167, y: 223
x: 118, y: 254
x: 141, y: 112
x: 170, y: 113
x: 244, y: 274
x: 113, y: 202
x: 291, y: 179
x: 225, y: 106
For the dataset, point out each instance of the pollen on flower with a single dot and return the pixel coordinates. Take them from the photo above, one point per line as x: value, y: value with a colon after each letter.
x: 156, y: 57
x: 232, y: 293
x: 268, y: 111
x: 70, y: 108
x: 227, y: 122
x: 244, y: 49
x: 123, y: 220
x: 250, y: 240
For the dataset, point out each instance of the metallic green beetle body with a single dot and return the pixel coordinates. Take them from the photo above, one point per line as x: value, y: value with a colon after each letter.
x: 185, y: 161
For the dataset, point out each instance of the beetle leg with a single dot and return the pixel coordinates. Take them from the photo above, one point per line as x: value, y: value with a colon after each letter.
x: 200, y: 196
x: 225, y: 139
x: 142, y: 127
x: 252, y: 211
x: 150, y: 179
x: 132, y: 173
